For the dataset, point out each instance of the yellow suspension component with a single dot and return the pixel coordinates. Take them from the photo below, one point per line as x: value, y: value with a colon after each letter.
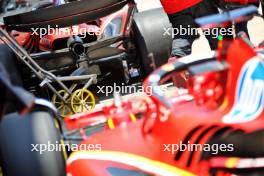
x: 110, y: 123
x: 133, y: 117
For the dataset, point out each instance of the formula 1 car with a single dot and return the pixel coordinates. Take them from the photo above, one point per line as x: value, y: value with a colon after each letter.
x: 196, y: 132
x: 224, y: 104
x: 118, y: 45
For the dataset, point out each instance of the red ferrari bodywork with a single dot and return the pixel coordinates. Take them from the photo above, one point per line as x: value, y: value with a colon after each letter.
x: 37, y: 43
x: 149, y: 145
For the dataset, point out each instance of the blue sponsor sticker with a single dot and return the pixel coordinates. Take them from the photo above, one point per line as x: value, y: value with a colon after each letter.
x: 249, y: 100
